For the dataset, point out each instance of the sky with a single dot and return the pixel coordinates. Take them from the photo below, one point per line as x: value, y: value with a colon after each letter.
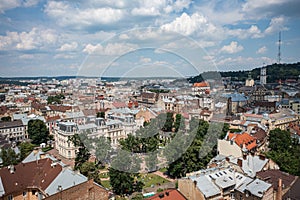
x: 144, y: 37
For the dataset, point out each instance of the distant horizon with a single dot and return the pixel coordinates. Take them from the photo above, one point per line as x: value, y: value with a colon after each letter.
x: 136, y: 77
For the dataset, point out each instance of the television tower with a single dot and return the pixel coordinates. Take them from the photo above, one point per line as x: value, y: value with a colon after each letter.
x: 279, y: 50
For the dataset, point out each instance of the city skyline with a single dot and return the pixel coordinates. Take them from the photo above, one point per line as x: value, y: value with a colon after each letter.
x: 177, y: 38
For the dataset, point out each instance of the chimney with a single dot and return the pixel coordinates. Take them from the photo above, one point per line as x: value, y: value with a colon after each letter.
x: 42, y: 155
x: 262, y: 157
x: 240, y: 162
x: 35, y: 150
x: 11, y: 169
x: 279, y: 190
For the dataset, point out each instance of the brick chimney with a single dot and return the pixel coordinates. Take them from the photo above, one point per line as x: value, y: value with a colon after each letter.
x: 262, y: 157
x: 279, y: 190
x: 240, y: 162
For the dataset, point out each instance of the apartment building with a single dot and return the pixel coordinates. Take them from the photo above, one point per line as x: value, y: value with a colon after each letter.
x: 13, y: 130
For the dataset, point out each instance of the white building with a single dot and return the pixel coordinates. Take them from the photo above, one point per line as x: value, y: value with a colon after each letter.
x: 63, y: 145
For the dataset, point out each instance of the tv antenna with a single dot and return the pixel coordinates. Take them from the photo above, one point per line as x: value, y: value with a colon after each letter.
x: 279, y: 48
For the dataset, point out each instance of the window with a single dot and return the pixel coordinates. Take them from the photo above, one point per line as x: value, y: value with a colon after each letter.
x: 10, y: 197
x: 24, y: 194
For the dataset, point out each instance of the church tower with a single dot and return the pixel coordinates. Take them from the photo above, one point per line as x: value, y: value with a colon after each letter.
x: 263, y: 76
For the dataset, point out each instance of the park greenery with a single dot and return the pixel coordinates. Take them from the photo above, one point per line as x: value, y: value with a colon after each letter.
x: 285, y: 151
x: 57, y: 99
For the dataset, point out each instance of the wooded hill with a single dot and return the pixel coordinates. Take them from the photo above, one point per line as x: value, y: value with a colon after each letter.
x: 275, y: 72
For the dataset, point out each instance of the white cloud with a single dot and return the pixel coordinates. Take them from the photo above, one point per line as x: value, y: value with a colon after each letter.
x: 26, y: 56
x: 123, y: 36
x: 145, y: 60
x: 251, y: 5
x: 178, y: 6
x: 240, y: 63
x: 63, y: 56
x: 208, y: 57
x: 188, y: 25
x: 34, y: 39
x: 29, y: 3
x: 9, y: 4
x: 149, y: 8
x: 252, y: 32
x: 145, y: 11
x: 262, y: 50
x: 233, y: 47
x: 68, y: 47
x: 221, y: 12
x: 277, y: 24
x: 110, y: 49
x: 66, y: 15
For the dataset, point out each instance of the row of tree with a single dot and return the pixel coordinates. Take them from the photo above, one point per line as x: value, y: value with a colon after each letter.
x: 285, y: 151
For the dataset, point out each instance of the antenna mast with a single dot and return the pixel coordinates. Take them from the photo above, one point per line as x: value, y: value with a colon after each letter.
x: 279, y: 50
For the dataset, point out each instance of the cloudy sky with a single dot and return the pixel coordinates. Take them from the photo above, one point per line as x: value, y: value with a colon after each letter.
x: 142, y: 37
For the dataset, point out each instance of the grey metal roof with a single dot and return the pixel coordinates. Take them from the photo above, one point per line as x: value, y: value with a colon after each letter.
x: 241, y: 182
x: 205, y: 185
x: 66, y: 179
x: 251, y: 164
x: 19, y: 116
x: 87, y: 126
x: 33, y: 156
x: 258, y: 187
x: 78, y: 114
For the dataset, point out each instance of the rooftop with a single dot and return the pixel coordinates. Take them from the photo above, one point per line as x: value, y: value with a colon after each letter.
x: 170, y: 194
x: 33, y: 174
x: 258, y: 187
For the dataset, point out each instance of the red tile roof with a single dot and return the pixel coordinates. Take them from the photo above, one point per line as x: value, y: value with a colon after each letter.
x: 119, y: 104
x: 170, y: 194
x: 201, y: 84
x: 243, y: 139
x: 54, y: 118
x: 38, y: 174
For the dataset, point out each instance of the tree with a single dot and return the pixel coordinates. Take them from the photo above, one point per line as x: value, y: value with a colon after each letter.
x: 82, y: 154
x: 90, y: 170
x: 101, y: 114
x: 38, y: 131
x: 284, y: 151
x: 55, y: 99
x: 200, y: 148
x: 279, y: 140
x: 9, y: 157
x: 168, y: 123
x: 179, y: 122
x: 102, y: 149
x: 123, y: 182
x: 25, y: 149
